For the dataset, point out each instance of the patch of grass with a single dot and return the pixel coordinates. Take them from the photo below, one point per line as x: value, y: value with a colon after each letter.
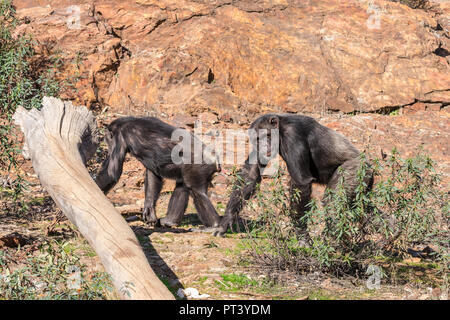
x: 54, y: 272
x: 394, y: 112
x: 220, y: 207
x: 37, y: 201
x: 158, y: 241
x: 233, y: 282
x: 419, y: 273
x: 236, y: 250
x: 211, y: 244
x: 88, y: 251
x: 320, y: 294
x: 201, y: 280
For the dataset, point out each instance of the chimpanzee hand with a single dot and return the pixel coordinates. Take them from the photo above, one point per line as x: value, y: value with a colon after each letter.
x: 149, y: 216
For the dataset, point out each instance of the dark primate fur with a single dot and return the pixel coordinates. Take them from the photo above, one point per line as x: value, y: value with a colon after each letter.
x: 149, y: 140
x: 312, y: 152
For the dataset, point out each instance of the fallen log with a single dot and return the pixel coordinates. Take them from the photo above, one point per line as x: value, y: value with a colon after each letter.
x: 59, y: 139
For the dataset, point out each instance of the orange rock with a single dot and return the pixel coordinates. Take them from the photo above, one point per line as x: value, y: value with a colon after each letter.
x: 215, y: 56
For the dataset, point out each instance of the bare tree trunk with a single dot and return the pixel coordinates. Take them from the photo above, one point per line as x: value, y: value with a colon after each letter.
x: 59, y: 139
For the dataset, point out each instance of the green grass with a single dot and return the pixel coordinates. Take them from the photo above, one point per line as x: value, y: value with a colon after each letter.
x: 37, y: 201
x: 87, y: 250
x: 201, y: 280
x: 232, y: 282
x: 320, y: 294
x: 211, y: 244
x: 54, y: 272
x: 394, y: 112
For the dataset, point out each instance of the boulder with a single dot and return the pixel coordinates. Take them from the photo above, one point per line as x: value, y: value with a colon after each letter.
x: 224, y: 56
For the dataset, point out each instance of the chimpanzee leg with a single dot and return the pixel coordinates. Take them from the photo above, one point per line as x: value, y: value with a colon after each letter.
x: 248, y: 178
x: 300, y: 197
x: 205, y: 208
x: 177, y: 206
x: 153, y: 185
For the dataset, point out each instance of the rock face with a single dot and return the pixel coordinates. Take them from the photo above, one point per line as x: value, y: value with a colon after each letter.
x: 180, y: 56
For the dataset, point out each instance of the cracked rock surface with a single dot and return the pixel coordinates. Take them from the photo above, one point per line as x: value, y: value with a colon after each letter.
x: 171, y: 56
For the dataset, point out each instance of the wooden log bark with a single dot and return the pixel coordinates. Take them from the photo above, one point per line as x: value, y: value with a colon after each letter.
x: 59, y: 139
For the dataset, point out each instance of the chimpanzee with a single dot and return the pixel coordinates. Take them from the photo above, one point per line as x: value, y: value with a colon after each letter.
x: 312, y: 152
x: 150, y: 140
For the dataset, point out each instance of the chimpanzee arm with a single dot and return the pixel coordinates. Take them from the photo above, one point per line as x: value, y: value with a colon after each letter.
x: 295, y: 152
x: 297, y: 158
x: 248, y: 178
x: 111, y: 169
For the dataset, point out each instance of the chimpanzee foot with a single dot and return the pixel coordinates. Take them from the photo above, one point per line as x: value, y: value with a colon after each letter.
x: 164, y: 222
x: 150, y: 218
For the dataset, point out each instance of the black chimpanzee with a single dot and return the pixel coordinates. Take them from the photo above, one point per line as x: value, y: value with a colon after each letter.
x: 150, y: 141
x: 312, y: 152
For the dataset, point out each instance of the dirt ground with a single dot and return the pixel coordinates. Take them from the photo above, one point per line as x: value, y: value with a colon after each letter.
x: 186, y: 259
x: 213, y: 265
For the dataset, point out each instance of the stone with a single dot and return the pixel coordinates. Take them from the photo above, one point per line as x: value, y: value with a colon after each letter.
x: 219, y: 56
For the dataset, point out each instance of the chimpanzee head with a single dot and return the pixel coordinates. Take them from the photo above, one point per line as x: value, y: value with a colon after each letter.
x: 264, y: 136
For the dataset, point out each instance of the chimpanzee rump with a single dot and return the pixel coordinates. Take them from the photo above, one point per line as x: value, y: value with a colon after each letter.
x: 312, y: 152
x: 149, y: 140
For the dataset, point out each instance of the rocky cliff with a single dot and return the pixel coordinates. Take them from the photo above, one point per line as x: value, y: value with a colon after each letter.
x: 171, y: 56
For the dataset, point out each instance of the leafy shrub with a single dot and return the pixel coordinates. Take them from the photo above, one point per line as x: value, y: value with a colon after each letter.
x: 404, y: 209
x: 24, y: 80
x: 54, y: 273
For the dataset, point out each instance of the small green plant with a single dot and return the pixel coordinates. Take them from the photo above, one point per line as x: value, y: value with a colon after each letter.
x: 201, y: 280
x: 211, y: 244
x: 55, y: 272
x: 395, y: 112
x: 23, y: 82
x: 319, y: 294
x: 233, y: 282
x: 220, y: 207
x: 403, y: 209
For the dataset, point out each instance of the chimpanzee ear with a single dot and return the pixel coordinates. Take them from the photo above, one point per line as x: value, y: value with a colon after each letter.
x: 274, y: 121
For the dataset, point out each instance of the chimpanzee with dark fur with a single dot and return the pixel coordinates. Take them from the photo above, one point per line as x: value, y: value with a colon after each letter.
x: 312, y: 152
x: 150, y: 141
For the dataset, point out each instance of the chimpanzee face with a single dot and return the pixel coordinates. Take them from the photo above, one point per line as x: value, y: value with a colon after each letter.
x: 264, y: 137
